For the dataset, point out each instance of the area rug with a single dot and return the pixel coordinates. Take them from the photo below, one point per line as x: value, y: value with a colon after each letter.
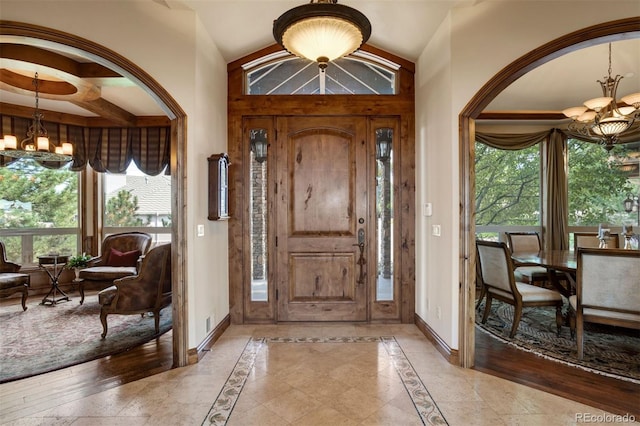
x: 424, y: 404
x: 47, y: 338
x: 608, y: 350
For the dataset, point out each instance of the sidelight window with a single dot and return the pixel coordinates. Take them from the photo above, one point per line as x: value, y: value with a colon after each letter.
x: 258, y: 215
x: 384, y: 213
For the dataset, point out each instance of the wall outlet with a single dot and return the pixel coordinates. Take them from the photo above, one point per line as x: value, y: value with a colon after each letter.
x: 200, y: 231
x: 427, y: 209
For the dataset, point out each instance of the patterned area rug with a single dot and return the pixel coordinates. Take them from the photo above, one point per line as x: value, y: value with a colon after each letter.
x: 608, y: 350
x: 222, y: 407
x: 47, y: 338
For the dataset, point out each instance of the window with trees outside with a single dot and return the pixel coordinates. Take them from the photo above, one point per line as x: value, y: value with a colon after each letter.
x: 599, y: 182
x: 508, y: 191
x: 138, y: 202
x: 38, y: 211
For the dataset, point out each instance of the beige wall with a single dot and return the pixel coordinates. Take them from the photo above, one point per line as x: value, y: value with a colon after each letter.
x: 469, y: 48
x: 172, y: 47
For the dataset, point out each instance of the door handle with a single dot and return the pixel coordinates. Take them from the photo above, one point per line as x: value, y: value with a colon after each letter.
x: 361, y: 260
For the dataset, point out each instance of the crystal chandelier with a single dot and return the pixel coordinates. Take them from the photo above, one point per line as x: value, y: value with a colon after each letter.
x: 322, y: 31
x: 604, y: 119
x: 36, y: 145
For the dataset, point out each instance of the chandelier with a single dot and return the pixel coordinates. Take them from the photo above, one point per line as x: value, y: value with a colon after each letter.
x: 604, y: 119
x: 36, y: 145
x: 322, y: 31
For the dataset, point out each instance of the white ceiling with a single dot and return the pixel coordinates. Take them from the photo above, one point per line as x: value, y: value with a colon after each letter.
x: 564, y: 82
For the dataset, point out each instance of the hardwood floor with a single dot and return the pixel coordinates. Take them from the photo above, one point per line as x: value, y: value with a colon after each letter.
x: 505, y: 361
x: 492, y: 357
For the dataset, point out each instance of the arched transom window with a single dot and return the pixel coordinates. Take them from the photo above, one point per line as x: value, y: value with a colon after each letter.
x: 360, y: 73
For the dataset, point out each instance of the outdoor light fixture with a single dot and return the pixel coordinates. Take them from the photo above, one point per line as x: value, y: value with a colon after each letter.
x: 258, y: 139
x: 36, y: 145
x: 632, y: 204
x: 322, y: 31
x: 384, y: 139
x: 602, y: 119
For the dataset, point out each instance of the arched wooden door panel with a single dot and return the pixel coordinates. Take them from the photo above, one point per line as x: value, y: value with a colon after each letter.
x: 322, y: 219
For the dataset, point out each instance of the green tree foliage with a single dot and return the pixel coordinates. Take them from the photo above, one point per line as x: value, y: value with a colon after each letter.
x: 121, y: 210
x: 597, y: 185
x: 36, y: 197
x: 507, y: 186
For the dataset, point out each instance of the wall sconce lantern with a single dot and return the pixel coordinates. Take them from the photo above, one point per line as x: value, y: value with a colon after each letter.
x: 384, y: 139
x: 258, y: 138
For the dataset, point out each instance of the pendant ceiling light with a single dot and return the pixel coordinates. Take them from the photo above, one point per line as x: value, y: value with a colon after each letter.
x: 322, y: 31
x: 603, y: 119
x: 36, y: 145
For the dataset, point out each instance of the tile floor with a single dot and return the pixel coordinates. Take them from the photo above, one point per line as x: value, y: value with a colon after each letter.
x: 318, y: 384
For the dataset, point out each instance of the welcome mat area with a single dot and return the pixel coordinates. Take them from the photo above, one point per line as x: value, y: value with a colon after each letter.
x: 612, y: 351
x: 324, y: 372
x: 47, y: 338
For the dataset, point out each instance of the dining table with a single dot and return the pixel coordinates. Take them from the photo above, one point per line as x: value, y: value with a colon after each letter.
x: 560, y: 264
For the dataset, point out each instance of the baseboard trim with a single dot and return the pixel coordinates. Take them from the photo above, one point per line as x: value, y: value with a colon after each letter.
x: 451, y: 355
x: 194, y: 355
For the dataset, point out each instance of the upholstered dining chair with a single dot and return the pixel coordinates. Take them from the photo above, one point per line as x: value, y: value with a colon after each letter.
x: 11, y: 280
x: 500, y: 283
x: 527, y: 242
x: 607, y: 290
x: 118, y: 258
x: 590, y: 240
x: 149, y: 291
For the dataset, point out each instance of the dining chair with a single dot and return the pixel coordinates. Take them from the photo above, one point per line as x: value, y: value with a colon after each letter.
x: 500, y: 283
x: 590, y: 240
x: 527, y: 242
x: 607, y: 291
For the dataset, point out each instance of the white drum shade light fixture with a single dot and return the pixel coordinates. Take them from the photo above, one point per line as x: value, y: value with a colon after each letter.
x: 322, y: 31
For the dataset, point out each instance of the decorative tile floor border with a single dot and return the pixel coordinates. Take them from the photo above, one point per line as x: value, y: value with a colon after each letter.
x: 223, y: 405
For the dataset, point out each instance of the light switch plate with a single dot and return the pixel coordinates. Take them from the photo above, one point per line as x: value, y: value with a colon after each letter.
x: 435, y: 230
x: 200, y: 230
x: 427, y: 209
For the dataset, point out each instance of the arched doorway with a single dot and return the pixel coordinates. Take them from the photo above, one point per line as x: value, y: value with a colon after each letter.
x: 73, y: 44
x: 600, y: 33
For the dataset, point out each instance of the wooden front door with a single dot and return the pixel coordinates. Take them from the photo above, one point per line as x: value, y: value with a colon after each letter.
x: 322, y: 220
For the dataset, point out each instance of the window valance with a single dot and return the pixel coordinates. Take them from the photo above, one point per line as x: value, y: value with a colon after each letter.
x: 109, y: 149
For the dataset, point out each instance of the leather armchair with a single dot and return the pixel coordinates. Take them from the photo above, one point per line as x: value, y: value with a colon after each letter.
x: 149, y: 291
x: 101, y: 271
x: 12, y: 281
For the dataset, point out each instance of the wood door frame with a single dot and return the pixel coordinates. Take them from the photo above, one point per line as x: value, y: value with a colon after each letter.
x: 247, y: 107
x: 178, y: 163
x: 596, y: 34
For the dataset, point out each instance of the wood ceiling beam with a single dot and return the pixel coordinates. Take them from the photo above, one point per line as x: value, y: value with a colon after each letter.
x: 107, y: 110
x: 77, y: 120
x: 35, y: 55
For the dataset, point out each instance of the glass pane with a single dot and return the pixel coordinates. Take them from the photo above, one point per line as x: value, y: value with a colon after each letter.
x: 507, y: 186
x: 137, y: 202
x: 384, y: 214
x: 599, y: 182
x: 38, y: 211
x: 296, y: 76
x: 258, y: 218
